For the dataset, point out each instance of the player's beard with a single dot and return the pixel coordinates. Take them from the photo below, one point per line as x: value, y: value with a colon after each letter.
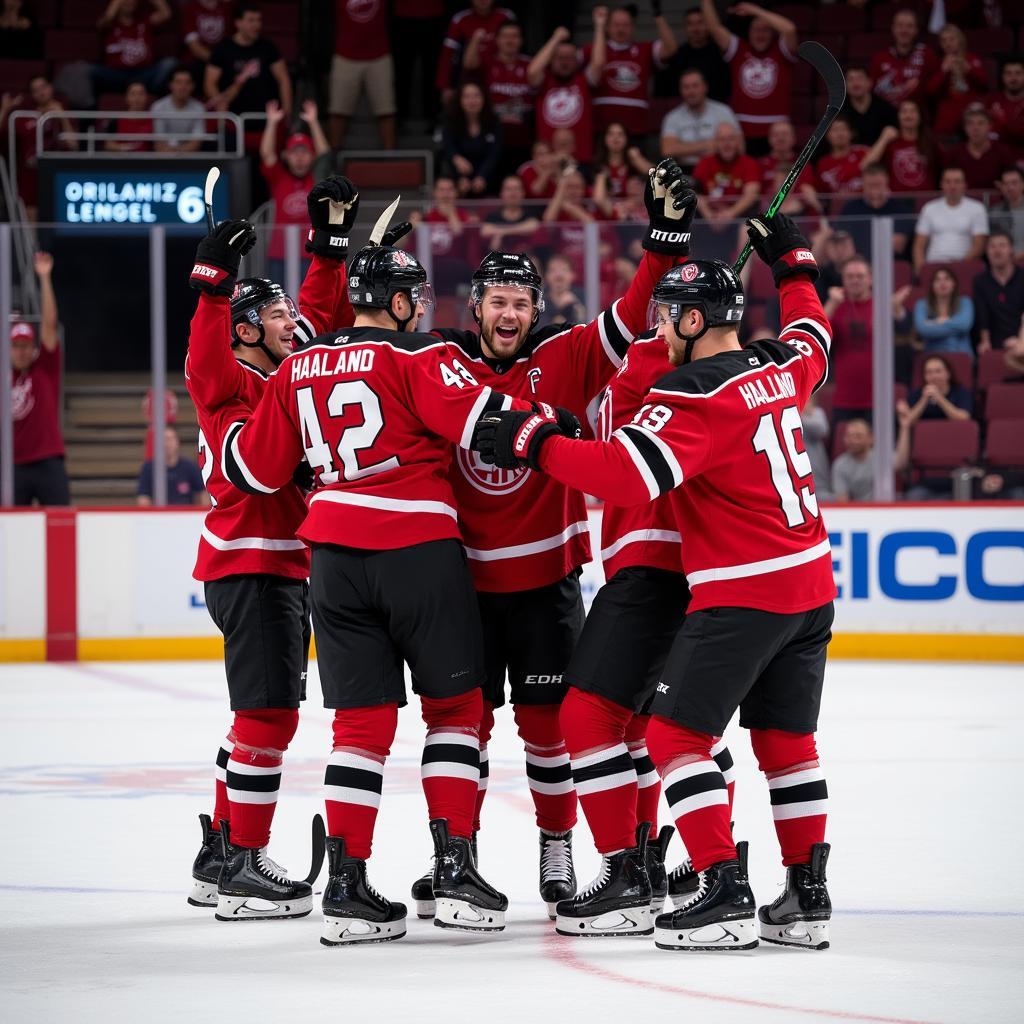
x: 504, y: 348
x: 675, y: 356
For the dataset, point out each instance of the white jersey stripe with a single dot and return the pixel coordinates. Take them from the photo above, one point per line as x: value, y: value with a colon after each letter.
x: 731, y: 380
x: 250, y: 543
x: 385, y: 504
x: 532, y: 548
x: 449, y: 770
x: 641, y: 465
x: 243, y: 796
x: 613, y: 357
x: 783, y: 812
x: 474, y: 414
x: 231, y: 443
x: 348, y: 795
x: 767, y: 565
x: 605, y: 782
x: 640, y: 537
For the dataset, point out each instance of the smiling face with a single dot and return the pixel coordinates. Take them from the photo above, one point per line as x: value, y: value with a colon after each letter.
x: 909, y: 116
x: 693, y: 89
x: 954, y: 185
x: 471, y: 99
x: 999, y: 252
x: 512, y: 191
x: 876, y: 187
x: 565, y: 62
x: 904, y: 29
x: 858, y: 438
x: 696, y: 28
x: 40, y: 90
x: 278, y: 320
x: 506, y: 316
x: 856, y: 276
x: 508, y: 40
x: 935, y: 372
x: 615, y: 138
x: 559, y: 274
x: 727, y: 142
x: 840, y: 136
x: 135, y: 97
x: 781, y: 139
x: 943, y: 285
x: 760, y: 35
x: 858, y: 83
x: 620, y: 27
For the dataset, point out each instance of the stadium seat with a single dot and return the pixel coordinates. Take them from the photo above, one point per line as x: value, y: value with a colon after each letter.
x: 386, y: 173
x: 280, y: 19
x: 944, y: 444
x: 16, y: 74
x: 986, y: 41
x: 903, y: 274
x: 72, y: 44
x: 1005, y: 401
x: 82, y: 13
x: 961, y: 362
x: 881, y: 16
x: 863, y: 46
x: 991, y: 368
x: 843, y: 18
x: 1004, y: 446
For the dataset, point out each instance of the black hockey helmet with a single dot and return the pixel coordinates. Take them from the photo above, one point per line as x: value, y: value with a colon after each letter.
x: 379, y: 272
x: 250, y: 297
x: 511, y: 270
x: 711, y: 286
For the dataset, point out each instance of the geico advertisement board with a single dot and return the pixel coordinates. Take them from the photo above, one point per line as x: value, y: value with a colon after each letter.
x: 916, y: 569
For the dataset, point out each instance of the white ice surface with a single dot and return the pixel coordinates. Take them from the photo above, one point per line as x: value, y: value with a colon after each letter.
x: 103, y: 769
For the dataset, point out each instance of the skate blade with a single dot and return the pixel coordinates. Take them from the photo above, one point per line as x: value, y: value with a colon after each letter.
x: 799, y: 934
x: 253, y: 908
x: 425, y: 908
x: 613, y: 924
x: 204, y: 894
x: 724, y: 937
x: 657, y: 906
x: 552, y: 910
x: 459, y: 914
x: 349, y: 931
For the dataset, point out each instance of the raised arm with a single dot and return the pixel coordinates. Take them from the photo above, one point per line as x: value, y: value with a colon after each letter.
x: 471, y: 58
x: 49, y: 333
x: 268, y: 140
x: 539, y: 65
x: 599, y: 48
x: 666, y: 37
x: 310, y: 116
x: 722, y: 36
x: 785, y: 28
x: 284, y: 84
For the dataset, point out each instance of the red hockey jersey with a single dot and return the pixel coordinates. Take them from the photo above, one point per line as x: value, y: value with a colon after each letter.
x: 636, y: 534
x: 623, y: 93
x: 374, y: 412
x: 242, y: 534
x: 522, y: 529
x: 762, y: 84
x: 728, y: 428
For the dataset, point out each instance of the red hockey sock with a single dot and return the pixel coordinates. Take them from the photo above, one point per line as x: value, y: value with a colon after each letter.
x: 486, y: 725
x: 648, y: 780
x: 695, y: 790
x: 723, y: 758
x: 797, y: 787
x: 253, y: 775
x: 450, y: 769
x: 355, y: 773
x: 547, y: 766
x: 602, y: 769
x: 221, y: 806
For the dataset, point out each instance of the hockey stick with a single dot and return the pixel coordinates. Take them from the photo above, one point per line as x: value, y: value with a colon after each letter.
x: 383, y: 222
x: 319, y: 846
x: 212, y: 177
x: 835, y: 85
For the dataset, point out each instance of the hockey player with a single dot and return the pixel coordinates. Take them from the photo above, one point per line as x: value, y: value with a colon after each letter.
x: 252, y: 565
x: 374, y: 410
x: 726, y: 425
x: 611, y: 677
x: 527, y: 535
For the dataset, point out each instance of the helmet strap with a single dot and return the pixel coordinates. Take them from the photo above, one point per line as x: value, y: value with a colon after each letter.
x: 402, y: 322
x: 260, y: 342
x: 690, y: 339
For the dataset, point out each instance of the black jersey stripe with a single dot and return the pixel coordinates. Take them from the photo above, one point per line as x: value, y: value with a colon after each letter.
x: 253, y: 783
x: 451, y: 753
x: 651, y: 454
x: 617, y: 340
x: 800, y: 794
x: 812, y: 328
x: 237, y: 472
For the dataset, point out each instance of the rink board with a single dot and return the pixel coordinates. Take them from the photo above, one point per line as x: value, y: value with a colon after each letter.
x: 936, y: 581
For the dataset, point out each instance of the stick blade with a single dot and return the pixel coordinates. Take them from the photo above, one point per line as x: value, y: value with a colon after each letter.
x: 384, y: 222
x: 212, y: 177
x: 828, y: 67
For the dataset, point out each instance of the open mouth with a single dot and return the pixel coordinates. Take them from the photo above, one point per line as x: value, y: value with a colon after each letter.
x: 507, y: 333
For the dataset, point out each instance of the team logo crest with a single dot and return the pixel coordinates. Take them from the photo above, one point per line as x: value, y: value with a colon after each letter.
x: 758, y: 76
x: 489, y: 479
x: 625, y: 76
x: 908, y: 166
x: 689, y: 272
x: 563, y: 107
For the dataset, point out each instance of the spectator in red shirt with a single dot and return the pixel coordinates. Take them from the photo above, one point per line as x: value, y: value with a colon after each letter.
x: 39, y: 473
x: 136, y: 101
x: 362, y: 63
x: 1007, y: 106
x: 566, y: 98
x: 907, y: 152
x: 539, y: 174
x: 128, y: 49
x: 204, y: 23
x: 981, y: 159
x: 511, y: 97
x: 44, y: 101
x: 483, y: 17
x: 729, y: 183
x: 850, y: 311
x: 623, y: 90
x: 958, y: 82
x: 471, y: 141
x: 761, y: 68
x: 451, y: 237
x: 840, y: 170
x: 901, y: 71
x: 617, y: 160
x: 289, y: 177
x: 782, y: 150
x: 510, y: 228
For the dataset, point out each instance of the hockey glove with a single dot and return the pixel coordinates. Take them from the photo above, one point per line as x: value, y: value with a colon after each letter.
x: 218, y: 256
x: 671, y: 204
x: 780, y: 243
x: 332, y: 204
x: 394, y: 235
x: 567, y: 421
x: 510, y: 439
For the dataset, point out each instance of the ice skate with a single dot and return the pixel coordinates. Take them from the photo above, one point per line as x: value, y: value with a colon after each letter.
x: 557, y: 875
x: 354, y: 911
x: 656, y: 851
x: 721, y: 915
x: 617, y: 902
x: 252, y: 887
x: 206, y: 867
x: 463, y: 898
x: 422, y: 890
x: 800, y: 916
